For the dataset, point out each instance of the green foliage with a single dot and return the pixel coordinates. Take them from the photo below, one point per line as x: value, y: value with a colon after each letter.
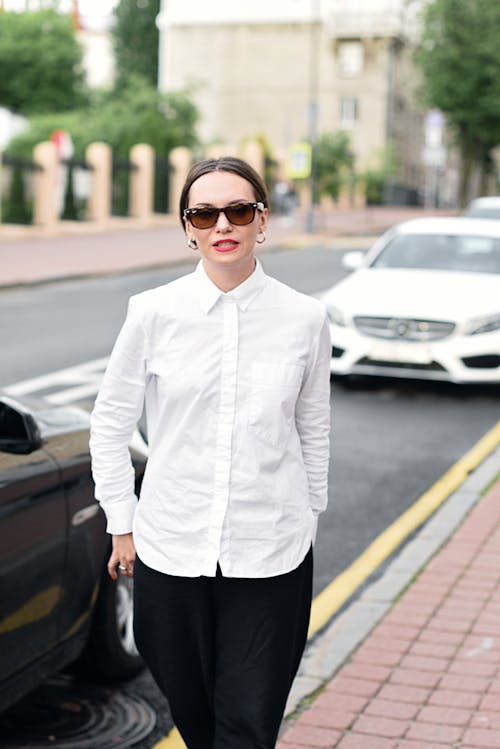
x: 40, y: 63
x: 375, y: 177
x: 374, y: 180
x: 40, y: 128
x: 136, y: 39
x: 334, y: 163
x: 459, y: 59
x: 135, y: 114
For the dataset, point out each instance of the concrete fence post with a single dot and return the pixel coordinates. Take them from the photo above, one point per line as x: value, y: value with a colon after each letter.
x: 142, y: 156
x: 180, y: 160
x: 360, y: 195
x: 98, y: 157
x: 45, y: 208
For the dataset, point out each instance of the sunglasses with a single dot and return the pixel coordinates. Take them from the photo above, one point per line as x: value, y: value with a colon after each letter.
x: 239, y: 214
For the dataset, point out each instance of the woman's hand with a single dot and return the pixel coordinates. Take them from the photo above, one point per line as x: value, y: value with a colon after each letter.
x: 122, y: 556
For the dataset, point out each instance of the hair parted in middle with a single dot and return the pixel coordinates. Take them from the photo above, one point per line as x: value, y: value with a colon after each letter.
x: 230, y: 164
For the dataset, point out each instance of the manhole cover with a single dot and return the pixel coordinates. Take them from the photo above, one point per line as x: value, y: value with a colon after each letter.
x: 66, y: 715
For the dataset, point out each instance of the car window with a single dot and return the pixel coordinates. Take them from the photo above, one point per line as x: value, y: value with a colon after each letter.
x: 475, y: 254
x: 482, y: 212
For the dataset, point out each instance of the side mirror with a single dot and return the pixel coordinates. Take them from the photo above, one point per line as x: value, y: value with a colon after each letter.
x: 353, y: 260
x: 19, y: 433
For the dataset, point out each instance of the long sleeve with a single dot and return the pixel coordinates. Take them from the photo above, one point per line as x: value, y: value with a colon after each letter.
x: 236, y: 389
x: 313, y: 419
x: 117, y: 409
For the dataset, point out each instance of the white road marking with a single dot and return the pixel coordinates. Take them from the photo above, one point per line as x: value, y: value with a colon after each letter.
x: 74, y: 394
x: 75, y: 383
x: 84, y: 380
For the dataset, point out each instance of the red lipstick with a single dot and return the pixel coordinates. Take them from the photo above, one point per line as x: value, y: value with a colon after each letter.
x: 226, y: 245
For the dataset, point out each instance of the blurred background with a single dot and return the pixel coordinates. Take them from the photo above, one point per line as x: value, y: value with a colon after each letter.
x: 350, y: 101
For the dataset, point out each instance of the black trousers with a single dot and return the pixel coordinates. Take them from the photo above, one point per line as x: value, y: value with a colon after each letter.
x: 223, y: 650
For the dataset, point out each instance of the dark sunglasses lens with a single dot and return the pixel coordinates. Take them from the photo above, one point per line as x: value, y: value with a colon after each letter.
x: 203, y: 218
x: 240, y: 214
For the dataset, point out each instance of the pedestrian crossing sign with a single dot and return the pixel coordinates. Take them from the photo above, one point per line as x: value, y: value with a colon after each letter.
x: 298, y: 161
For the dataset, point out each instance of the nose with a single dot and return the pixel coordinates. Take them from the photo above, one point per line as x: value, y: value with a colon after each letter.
x: 222, y: 223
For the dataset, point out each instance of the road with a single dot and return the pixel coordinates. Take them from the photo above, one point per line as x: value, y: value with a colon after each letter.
x: 390, y: 441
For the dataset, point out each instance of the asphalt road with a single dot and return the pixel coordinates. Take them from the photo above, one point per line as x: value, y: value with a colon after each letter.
x: 391, y: 440
x: 48, y: 327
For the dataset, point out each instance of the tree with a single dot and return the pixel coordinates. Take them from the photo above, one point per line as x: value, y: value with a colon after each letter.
x: 333, y: 160
x: 138, y: 113
x: 458, y: 56
x: 136, y: 39
x: 40, y: 63
x: 384, y: 165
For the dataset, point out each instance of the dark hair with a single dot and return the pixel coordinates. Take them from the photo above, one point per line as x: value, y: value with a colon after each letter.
x: 223, y: 164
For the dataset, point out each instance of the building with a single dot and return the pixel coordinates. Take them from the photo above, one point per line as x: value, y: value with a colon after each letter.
x: 275, y: 68
x: 98, y: 56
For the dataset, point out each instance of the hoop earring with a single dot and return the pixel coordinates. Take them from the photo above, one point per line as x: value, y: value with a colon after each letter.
x: 263, y: 235
x: 192, y: 244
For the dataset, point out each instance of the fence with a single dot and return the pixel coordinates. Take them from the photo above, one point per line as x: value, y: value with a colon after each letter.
x: 75, y: 188
x: 47, y: 190
x: 120, y: 185
x: 16, y: 189
x: 162, y: 175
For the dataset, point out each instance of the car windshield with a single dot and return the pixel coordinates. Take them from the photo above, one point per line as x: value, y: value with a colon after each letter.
x: 441, y: 252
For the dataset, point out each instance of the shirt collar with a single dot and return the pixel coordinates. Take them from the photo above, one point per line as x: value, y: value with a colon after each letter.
x: 243, y: 294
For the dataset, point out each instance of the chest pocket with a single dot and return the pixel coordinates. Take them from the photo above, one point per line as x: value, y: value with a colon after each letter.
x: 273, y: 395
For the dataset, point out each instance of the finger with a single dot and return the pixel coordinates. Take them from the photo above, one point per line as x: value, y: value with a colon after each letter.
x: 126, y: 568
x: 112, y: 563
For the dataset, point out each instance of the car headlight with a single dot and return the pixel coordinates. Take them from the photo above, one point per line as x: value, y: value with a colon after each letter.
x: 335, y: 315
x: 486, y: 324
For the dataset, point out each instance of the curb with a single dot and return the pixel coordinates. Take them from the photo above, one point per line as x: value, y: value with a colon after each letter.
x: 298, y: 242
x: 332, y: 647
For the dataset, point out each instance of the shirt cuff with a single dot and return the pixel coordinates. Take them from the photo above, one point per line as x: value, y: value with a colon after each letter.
x: 120, y: 516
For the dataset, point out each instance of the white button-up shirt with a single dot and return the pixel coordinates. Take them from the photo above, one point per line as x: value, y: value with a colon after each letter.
x: 237, y: 393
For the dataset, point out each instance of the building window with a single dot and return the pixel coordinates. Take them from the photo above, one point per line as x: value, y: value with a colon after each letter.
x: 350, y: 58
x: 348, y: 112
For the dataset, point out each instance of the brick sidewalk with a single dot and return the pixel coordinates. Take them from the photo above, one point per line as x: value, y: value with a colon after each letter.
x: 428, y: 676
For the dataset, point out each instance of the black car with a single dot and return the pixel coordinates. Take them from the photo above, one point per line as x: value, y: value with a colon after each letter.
x: 57, y: 604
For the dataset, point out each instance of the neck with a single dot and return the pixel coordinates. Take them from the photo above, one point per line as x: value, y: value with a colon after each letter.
x: 227, y: 279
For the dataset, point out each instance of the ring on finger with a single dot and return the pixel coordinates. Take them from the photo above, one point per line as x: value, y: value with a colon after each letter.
x: 121, y: 567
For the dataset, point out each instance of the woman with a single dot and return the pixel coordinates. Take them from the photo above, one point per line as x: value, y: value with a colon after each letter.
x: 233, y: 368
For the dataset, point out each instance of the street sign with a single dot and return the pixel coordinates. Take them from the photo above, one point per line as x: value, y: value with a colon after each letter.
x: 434, y: 156
x: 434, y: 127
x: 298, y: 161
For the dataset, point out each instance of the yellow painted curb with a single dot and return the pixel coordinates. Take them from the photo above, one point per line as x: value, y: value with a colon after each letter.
x: 172, y: 741
x: 334, y: 595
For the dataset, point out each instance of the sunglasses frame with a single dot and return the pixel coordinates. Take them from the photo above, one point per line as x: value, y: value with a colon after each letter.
x: 188, y: 212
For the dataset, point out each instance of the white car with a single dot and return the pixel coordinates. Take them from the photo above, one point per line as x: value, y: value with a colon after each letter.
x: 487, y: 207
x: 423, y: 303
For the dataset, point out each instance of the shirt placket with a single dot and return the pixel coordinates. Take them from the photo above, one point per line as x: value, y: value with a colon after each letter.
x: 225, y: 423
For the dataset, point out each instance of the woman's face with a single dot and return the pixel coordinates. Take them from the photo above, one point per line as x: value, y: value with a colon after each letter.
x: 225, y: 246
